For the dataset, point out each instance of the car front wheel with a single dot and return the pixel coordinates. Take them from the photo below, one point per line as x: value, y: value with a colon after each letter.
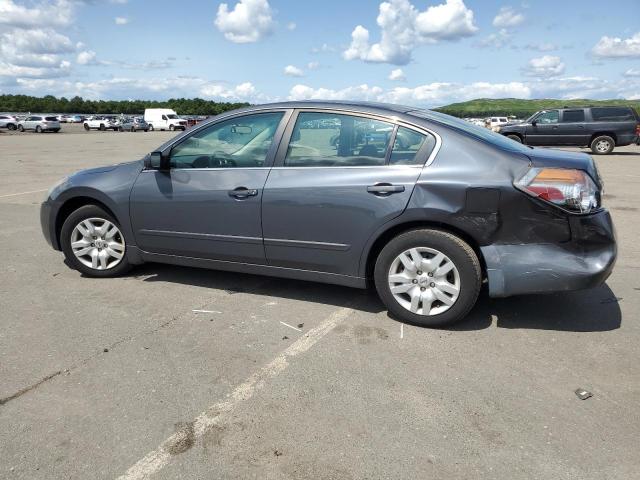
x: 20, y: 128
x: 602, y: 145
x: 515, y: 138
x: 428, y: 277
x: 93, y: 243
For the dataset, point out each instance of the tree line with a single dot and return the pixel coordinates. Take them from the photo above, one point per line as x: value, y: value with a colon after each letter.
x: 51, y: 104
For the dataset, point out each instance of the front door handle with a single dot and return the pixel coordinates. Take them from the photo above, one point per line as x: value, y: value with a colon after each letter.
x: 243, y: 192
x: 384, y: 189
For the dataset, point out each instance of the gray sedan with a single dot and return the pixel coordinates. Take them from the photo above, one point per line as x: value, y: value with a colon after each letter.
x: 427, y: 220
x: 133, y: 125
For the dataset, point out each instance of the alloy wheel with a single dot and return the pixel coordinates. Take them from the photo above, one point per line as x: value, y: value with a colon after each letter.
x: 603, y: 146
x: 97, y: 243
x: 424, y: 281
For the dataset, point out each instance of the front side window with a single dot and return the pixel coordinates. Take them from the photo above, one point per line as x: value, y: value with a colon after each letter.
x: 335, y: 140
x: 571, y: 116
x: 551, y: 116
x: 241, y: 142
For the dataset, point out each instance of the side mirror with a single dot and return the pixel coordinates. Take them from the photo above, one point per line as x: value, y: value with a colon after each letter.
x: 156, y: 161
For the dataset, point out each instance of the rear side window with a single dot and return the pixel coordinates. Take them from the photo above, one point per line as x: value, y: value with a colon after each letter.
x: 335, y: 140
x: 411, y: 148
x: 612, y: 114
x: 51, y: 119
x: 569, y: 116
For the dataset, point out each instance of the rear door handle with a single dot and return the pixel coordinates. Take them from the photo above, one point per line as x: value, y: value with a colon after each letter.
x: 243, y: 192
x: 384, y: 189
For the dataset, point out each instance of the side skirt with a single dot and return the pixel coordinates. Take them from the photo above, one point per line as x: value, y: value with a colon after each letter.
x: 268, y: 270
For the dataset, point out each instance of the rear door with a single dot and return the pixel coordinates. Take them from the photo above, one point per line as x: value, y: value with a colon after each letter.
x: 572, y: 128
x: 544, y: 128
x: 208, y: 204
x: 338, y: 177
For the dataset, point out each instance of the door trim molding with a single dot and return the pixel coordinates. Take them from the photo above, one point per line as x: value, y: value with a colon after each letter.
x: 202, y: 236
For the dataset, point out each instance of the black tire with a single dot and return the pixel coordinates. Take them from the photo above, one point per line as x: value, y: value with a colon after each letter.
x: 458, y: 251
x: 102, y: 127
x: 146, y: 129
x: 120, y: 129
x: 150, y: 128
x: 602, y: 145
x: 171, y: 128
x: 38, y: 129
x: 11, y: 126
x: 20, y: 128
x: 83, y: 213
x: 515, y: 138
x: 86, y: 127
x: 133, y: 129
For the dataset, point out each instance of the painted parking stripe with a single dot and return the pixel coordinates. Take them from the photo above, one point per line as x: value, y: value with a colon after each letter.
x: 159, y: 458
x: 22, y: 193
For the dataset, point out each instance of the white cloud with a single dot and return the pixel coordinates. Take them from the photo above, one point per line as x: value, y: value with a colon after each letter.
x: 507, y: 17
x: 397, y: 74
x: 249, y: 21
x: 86, y: 57
x: 432, y: 94
x: 121, y: 20
x: 313, y: 65
x: 58, y: 13
x: 291, y: 26
x: 632, y: 72
x: 545, y: 66
x: 614, y: 47
x: 541, y: 47
x: 324, y: 48
x: 500, y: 39
x: 403, y: 27
x: 293, y: 71
x: 243, y: 91
x: 21, y: 71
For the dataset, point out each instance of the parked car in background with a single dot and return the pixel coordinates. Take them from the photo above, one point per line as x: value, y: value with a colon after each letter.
x: 9, y: 122
x: 428, y: 222
x: 600, y: 128
x: 493, y: 123
x: 39, y: 124
x: 133, y: 125
x: 164, y: 119
x: 100, y: 123
x: 73, y: 118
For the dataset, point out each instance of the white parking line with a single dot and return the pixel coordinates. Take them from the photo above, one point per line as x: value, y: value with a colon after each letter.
x: 22, y: 193
x: 159, y: 458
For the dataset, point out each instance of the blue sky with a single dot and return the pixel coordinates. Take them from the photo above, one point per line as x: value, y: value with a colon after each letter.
x: 421, y: 52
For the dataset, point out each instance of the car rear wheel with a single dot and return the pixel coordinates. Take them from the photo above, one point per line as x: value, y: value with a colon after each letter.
x: 602, y: 145
x: 515, y: 138
x: 428, y: 277
x: 11, y: 126
x: 93, y: 243
x: 120, y: 129
x: 133, y: 129
x: 102, y: 127
x: 86, y: 127
x: 38, y: 129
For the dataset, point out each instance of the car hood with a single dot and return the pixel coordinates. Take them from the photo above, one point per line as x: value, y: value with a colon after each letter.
x: 546, y: 157
x: 106, y: 168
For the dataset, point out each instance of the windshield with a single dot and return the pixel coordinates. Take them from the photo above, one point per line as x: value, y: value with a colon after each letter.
x: 172, y: 115
x: 468, y: 127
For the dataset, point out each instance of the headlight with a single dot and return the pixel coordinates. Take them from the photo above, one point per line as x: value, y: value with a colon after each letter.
x: 570, y: 189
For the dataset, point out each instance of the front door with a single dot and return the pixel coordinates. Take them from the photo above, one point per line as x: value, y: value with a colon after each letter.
x: 543, y: 130
x: 208, y: 204
x: 337, y: 179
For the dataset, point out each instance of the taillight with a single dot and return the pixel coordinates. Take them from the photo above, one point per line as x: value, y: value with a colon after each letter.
x: 570, y: 189
x: 638, y: 129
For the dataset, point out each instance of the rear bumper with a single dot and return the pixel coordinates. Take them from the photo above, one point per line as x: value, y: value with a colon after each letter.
x: 584, y: 262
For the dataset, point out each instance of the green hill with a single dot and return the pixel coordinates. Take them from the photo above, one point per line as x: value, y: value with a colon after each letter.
x: 485, y: 107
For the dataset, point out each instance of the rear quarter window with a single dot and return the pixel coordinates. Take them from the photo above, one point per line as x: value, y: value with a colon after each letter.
x: 612, y: 114
x: 51, y: 119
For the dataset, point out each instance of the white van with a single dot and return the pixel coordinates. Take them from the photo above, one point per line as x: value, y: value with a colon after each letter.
x: 164, y: 119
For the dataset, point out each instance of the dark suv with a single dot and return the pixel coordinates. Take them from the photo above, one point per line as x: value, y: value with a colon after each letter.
x: 600, y: 128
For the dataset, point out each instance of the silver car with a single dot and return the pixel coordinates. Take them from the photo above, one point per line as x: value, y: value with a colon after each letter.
x: 8, y: 121
x: 39, y: 123
x: 133, y: 125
